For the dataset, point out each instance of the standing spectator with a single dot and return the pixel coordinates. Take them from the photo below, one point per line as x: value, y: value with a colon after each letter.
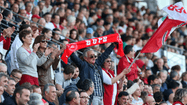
x: 92, y: 67
x: 20, y: 97
x: 28, y: 60
x: 173, y: 88
x: 45, y: 71
x: 109, y: 81
x: 125, y: 62
x: 49, y: 93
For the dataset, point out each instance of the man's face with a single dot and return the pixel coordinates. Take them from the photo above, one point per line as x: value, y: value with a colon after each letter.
x: 100, y: 31
x: 23, y: 13
x: 160, y: 63
x: 57, y: 36
x: 29, y: 7
x: 15, y: 8
x: 124, y: 100
x: 163, y: 77
x: 48, y: 18
x: 91, y: 57
x: 3, y: 69
x: 4, y: 81
x: 76, y: 74
x: 156, y: 89
x: 84, y: 98
x: 132, y: 53
x: 148, y: 73
x: 57, y: 20
x: 77, y: 100
x: 51, y: 95
x: 37, y: 90
x: 24, y: 97
x: 41, y: 6
x: 137, y: 92
x: 11, y: 87
x: 17, y: 77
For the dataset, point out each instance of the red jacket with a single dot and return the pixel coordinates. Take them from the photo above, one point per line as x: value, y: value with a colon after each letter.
x: 124, y: 63
x: 6, y: 42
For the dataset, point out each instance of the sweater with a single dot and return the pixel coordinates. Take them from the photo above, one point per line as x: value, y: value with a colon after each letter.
x: 28, y: 62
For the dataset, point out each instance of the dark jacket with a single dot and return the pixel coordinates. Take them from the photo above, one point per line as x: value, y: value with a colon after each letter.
x: 10, y: 101
x: 155, y: 69
x: 6, y: 95
x: 184, y: 85
x: 44, y: 71
x: 62, y: 98
x: 50, y: 103
x: 87, y: 70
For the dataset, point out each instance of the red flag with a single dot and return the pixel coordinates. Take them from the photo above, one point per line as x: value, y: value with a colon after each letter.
x: 91, y: 42
x: 161, y: 34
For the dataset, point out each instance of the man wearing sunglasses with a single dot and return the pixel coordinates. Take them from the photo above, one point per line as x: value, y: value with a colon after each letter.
x: 90, y: 68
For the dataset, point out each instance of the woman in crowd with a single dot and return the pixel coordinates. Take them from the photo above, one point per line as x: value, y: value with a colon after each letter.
x: 180, y: 97
x: 110, y: 82
x: 73, y: 34
x: 28, y: 60
x: 45, y: 71
x: 47, y: 33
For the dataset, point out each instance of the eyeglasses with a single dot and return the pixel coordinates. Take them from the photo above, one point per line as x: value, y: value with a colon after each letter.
x: 44, y: 41
x: 108, y: 61
x: 92, y: 56
x: 16, y: 77
x: 85, y: 97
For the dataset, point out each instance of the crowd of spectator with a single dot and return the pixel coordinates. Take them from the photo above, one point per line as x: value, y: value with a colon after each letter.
x: 34, y: 35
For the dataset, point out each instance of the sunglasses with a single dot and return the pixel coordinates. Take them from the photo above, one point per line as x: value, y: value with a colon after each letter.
x: 43, y: 41
x: 108, y: 61
x: 92, y: 56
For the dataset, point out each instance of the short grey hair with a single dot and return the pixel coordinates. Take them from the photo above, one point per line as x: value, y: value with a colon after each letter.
x: 101, y: 27
x: 35, y: 96
x: 2, y: 64
x: 173, y: 74
x: 46, y: 88
x: 70, y: 19
x: 180, y: 94
x: 64, y: 32
x: 85, y: 54
x: 162, y: 71
x: 155, y: 85
x: 3, y: 75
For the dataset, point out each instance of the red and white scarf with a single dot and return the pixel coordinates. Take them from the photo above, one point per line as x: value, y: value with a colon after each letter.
x: 70, y: 48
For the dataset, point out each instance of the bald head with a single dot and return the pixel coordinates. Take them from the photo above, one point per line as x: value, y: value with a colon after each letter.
x: 150, y: 100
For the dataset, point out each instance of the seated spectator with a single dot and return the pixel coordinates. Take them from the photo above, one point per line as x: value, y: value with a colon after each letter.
x: 176, y: 68
x: 170, y: 99
x: 47, y: 16
x: 49, y: 93
x: 143, y: 96
x: 163, y: 76
x: 148, y: 72
x: 125, y: 62
x: 3, y: 80
x: 56, y: 34
x: 89, y: 33
x: 174, y: 76
x: 47, y: 33
x: 35, y: 18
x: 99, y: 31
x: 84, y: 98
x: 71, y: 22
x: 3, y: 68
x: 172, y: 89
x: 127, y: 41
x: 42, y: 23
x: 76, y: 77
x: 35, y: 99
x: 16, y: 75
x: 136, y: 97
x: 180, y: 96
x: 158, y: 97
x: 63, y: 79
x: 123, y: 98
x: 149, y: 100
x: 74, y: 35
x: 56, y: 21
x: 152, y: 79
x: 20, y: 97
x: 156, y: 88
x: 184, y: 80
x: 159, y: 65
x: 28, y: 60
x: 9, y: 89
x: 72, y: 98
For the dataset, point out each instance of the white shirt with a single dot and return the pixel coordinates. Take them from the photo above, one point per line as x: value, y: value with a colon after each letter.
x: 168, y: 103
x: 137, y: 102
x: 49, y: 25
